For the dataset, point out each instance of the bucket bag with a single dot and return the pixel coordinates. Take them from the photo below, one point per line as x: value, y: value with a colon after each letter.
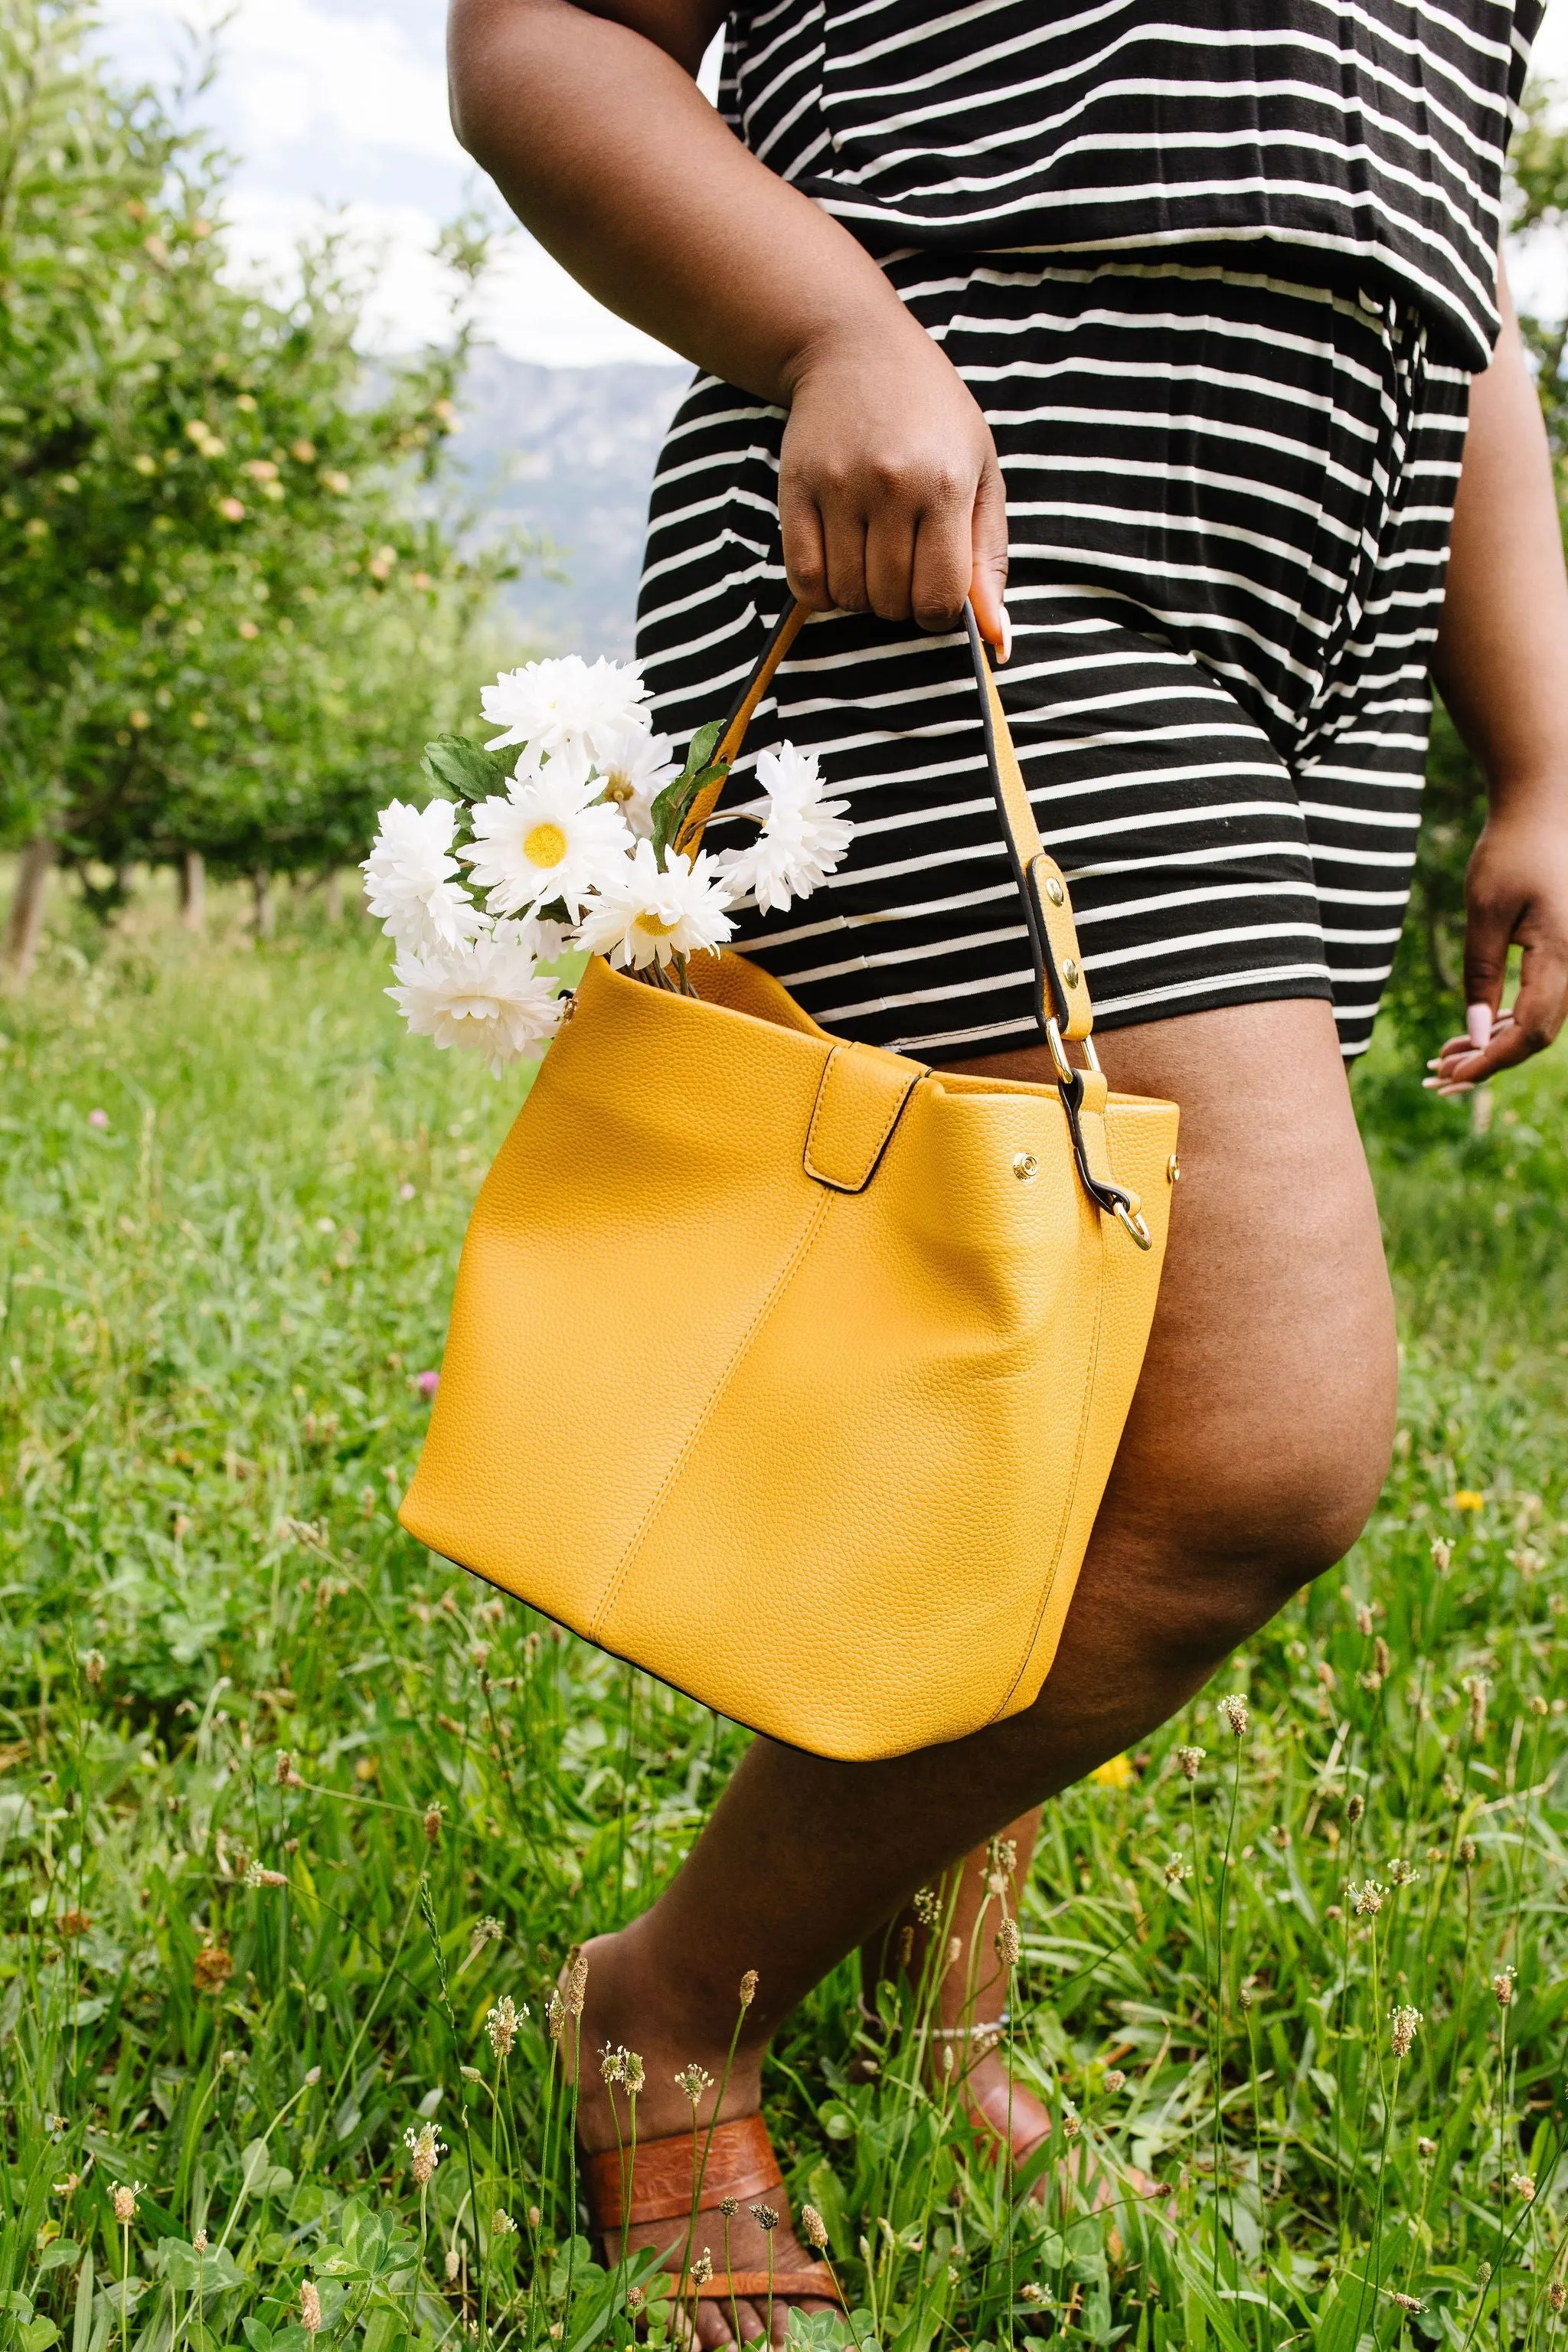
x: 791, y: 1370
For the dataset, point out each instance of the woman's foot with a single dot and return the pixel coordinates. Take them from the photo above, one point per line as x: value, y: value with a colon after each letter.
x: 619, y: 2015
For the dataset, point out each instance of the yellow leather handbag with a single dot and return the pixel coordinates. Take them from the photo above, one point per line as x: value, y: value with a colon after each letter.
x: 791, y: 1370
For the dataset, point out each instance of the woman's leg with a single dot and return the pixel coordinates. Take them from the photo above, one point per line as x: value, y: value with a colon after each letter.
x: 1255, y: 1448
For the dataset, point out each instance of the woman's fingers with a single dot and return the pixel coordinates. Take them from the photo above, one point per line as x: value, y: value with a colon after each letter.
x: 890, y: 500
x: 943, y: 553
x: 988, y: 570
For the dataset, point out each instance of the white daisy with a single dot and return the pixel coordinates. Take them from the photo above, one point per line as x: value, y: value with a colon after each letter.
x: 642, y: 916
x: 408, y: 878
x: 802, y: 836
x: 544, y: 941
x: 552, y: 705
x: 545, y: 840
x: 634, y: 769
x: 484, y: 997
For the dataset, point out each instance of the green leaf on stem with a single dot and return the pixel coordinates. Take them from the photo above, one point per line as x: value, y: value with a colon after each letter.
x: 461, y: 769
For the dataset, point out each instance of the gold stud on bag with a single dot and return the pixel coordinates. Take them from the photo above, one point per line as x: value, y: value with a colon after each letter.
x: 789, y: 1369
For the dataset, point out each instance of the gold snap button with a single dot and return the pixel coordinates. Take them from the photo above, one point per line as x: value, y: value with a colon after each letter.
x: 1055, y: 892
x: 1024, y: 1165
x: 1069, y: 973
x: 1172, y: 1170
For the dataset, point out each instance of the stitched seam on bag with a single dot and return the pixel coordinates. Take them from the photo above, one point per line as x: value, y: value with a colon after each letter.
x: 1050, y: 1584
x: 816, y: 1174
x: 719, y: 1389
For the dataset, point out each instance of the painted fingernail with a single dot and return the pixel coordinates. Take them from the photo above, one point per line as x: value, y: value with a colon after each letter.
x: 1478, y: 1025
x: 1007, y: 654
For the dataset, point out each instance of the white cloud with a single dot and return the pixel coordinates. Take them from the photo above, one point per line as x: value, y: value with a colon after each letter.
x: 339, y: 117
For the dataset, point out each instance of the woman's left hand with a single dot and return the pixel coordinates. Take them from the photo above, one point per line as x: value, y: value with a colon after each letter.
x: 1516, y: 889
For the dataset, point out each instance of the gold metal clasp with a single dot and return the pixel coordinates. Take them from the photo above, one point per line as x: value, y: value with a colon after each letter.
x: 1131, y: 1222
x: 1064, y: 1068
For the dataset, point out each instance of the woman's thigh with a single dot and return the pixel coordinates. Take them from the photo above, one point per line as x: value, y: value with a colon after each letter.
x: 1259, y: 1435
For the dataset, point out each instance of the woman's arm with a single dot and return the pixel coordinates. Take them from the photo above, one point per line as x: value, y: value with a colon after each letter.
x: 1501, y: 664
x: 593, y: 128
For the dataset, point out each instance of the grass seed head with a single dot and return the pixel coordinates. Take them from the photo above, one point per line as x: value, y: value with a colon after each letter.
x: 906, y: 1944
x: 765, y: 2218
x: 702, y: 2268
x: 501, y: 2225
x: 1382, y: 1660
x: 1557, y: 2295
x: 1007, y: 1943
x: 1189, y: 1758
x: 1366, y: 1901
x: 926, y: 1906
x: 309, y: 2307
x: 502, y: 2025
x: 1476, y: 1689
x: 1426, y: 2149
x: 692, y: 2080
x: 1115, y: 2080
x: 1522, y: 2186
x: 454, y: 2263
x: 1466, y: 1852
x: 1176, y: 1869
x: 1355, y: 1809
x: 425, y: 2153
x: 748, y: 1988
x: 813, y: 2227
x: 1363, y: 1618
x: 1502, y: 1987
x: 635, y: 2297
x: 1406, y: 2301
x: 728, y: 2206
x: 1403, y: 2030
x: 123, y: 2199
x: 1233, y: 1710
x: 1400, y: 1874
x: 576, y: 1991
x: 432, y: 1824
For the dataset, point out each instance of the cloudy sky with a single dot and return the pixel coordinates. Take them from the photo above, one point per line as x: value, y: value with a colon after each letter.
x: 340, y: 106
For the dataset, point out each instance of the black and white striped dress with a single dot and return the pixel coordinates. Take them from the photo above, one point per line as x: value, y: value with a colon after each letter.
x: 1219, y: 288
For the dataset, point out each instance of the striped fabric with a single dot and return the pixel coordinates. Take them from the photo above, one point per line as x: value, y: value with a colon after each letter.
x: 1228, y: 506
x: 1368, y: 132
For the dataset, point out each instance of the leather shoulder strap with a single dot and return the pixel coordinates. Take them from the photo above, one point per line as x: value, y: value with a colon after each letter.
x: 1042, y: 886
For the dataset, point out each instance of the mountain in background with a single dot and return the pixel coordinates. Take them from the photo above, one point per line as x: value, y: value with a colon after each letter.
x: 567, y: 455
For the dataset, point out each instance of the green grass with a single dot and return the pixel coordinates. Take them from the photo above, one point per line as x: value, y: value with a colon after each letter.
x: 246, y: 1721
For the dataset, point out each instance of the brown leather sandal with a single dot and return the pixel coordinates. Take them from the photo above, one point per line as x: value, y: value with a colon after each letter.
x: 741, y: 2164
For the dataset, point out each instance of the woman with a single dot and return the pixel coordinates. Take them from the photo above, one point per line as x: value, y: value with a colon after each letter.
x: 1171, y: 331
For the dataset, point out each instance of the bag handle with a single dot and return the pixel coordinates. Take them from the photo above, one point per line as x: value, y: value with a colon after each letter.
x: 1067, y: 1015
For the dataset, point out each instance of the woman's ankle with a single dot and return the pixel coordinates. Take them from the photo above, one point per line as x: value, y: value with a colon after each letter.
x: 628, y: 2006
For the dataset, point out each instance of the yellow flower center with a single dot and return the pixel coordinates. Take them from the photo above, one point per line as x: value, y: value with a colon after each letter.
x: 651, y: 925
x: 618, y: 786
x: 545, y: 845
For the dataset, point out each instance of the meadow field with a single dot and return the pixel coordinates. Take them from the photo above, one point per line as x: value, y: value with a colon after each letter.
x: 289, y: 1809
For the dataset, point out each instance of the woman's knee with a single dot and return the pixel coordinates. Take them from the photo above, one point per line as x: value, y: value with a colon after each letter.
x: 1253, y: 1523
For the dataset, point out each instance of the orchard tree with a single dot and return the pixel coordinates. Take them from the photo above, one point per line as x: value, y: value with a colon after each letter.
x: 230, y: 603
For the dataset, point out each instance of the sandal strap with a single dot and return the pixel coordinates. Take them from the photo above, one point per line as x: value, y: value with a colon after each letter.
x: 666, y: 2173
x: 815, y: 2284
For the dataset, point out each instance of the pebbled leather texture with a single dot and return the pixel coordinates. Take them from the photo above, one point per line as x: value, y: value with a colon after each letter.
x: 787, y: 1368
x: 827, y: 1460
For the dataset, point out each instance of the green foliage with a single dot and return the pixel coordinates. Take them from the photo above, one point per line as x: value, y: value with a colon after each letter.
x: 1426, y: 995
x: 245, y: 1720
x: 231, y: 601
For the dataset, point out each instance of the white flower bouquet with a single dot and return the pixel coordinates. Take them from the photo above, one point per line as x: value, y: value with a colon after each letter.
x: 567, y: 822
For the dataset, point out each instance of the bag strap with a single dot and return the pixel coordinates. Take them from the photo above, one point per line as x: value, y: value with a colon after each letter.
x: 1067, y: 1015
